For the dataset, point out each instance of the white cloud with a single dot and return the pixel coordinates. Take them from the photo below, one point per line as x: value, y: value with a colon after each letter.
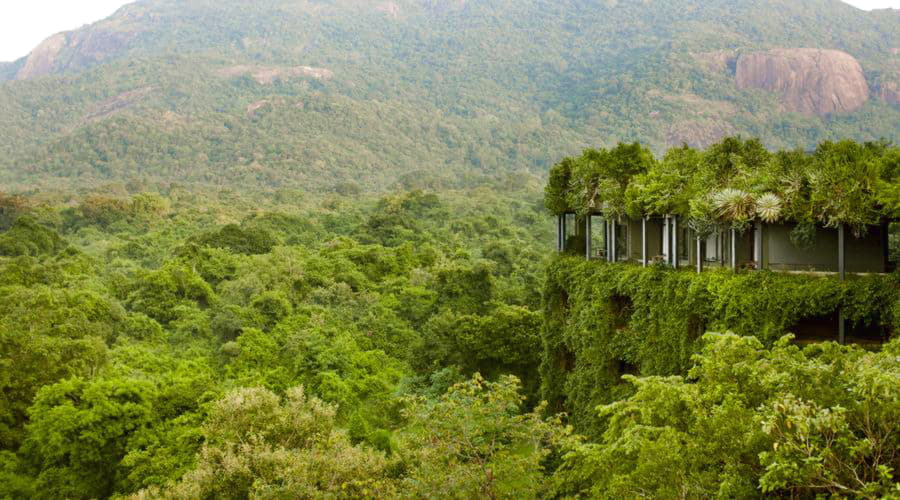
x: 875, y: 4
x: 26, y: 23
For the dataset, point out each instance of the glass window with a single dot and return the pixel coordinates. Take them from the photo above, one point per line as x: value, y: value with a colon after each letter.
x: 598, y: 237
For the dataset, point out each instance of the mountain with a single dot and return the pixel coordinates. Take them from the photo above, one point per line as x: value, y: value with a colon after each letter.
x: 350, y: 94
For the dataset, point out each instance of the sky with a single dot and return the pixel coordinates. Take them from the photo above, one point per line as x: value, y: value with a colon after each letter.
x: 25, y: 23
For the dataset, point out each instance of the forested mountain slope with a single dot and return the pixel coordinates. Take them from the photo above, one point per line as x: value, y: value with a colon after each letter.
x: 344, y: 94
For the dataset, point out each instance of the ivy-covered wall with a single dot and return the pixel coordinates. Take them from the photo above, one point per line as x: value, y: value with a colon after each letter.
x: 605, y: 320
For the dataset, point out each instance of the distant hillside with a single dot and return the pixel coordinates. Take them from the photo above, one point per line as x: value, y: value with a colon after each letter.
x: 346, y: 94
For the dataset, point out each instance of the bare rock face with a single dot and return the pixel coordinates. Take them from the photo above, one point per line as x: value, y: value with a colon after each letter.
x: 890, y: 92
x: 810, y: 81
x: 392, y: 9
x: 42, y: 59
x: 118, y: 103
x: 266, y: 75
x: 83, y: 48
x: 697, y: 133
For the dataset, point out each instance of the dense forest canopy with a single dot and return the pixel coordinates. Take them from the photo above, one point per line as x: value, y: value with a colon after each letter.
x: 342, y: 94
x: 300, y: 249
x: 197, y: 344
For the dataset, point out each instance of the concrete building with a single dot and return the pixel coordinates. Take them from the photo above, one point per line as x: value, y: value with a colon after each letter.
x: 669, y: 240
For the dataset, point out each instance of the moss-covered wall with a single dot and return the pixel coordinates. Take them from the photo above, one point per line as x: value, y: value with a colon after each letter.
x: 603, y: 320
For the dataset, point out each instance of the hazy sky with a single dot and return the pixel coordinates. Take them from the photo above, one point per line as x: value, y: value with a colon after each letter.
x: 25, y: 23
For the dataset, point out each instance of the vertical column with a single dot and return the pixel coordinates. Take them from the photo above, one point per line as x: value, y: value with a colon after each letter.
x: 644, y: 242
x: 565, y: 223
x: 885, y: 248
x: 587, y: 237
x: 666, y: 239
x: 559, y: 233
x: 733, y: 249
x: 758, y: 245
x: 842, y: 323
x: 606, y: 239
x: 675, y: 242
x: 699, y: 256
x: 612, y: 250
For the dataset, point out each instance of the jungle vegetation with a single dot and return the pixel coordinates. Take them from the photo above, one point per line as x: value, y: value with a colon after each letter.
x: 194, y: 343
x: 222, y: 277
x: 425, y: 94
x: 733, y: 183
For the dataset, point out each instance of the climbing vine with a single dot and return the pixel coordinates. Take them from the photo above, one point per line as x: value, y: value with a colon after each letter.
x: 602, y: 321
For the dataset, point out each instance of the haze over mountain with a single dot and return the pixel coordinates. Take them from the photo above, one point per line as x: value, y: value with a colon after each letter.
x: 335, y: 94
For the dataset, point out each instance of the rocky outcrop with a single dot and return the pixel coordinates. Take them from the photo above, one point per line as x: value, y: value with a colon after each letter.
x: 118, y: 103
x: 392, y: 9
x: 889, y: 92
x: 698, y: 133
x: 810, y: 81
x: 266, y: 75
x: 42, y: 59
x: 82, y: 49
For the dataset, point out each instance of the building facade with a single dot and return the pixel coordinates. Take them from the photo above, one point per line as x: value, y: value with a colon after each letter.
x: 669, y: 240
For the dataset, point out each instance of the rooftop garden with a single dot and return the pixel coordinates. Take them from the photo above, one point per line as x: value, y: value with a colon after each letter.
x: 734, y: 183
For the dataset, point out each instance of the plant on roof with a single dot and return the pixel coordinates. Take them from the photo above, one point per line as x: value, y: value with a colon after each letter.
x: 733, y: 183
x: 768, y: 208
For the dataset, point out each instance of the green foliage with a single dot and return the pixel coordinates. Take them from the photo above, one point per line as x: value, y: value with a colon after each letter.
x: 28, y: 237
x: 787, y: 421
x: 252, y: 241
x: 465, y: 287
x: 79, y: 432
x: 475, y: 442
x: 505, y: 340
x: 159, y: 293
x: 257, y: 444
x: 733, y: 183
x: 142, y: 357
x: 602, y: 321
x: 154, y: 97
x: 46, y: 335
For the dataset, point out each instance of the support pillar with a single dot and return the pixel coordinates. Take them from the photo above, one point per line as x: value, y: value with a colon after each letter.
x: 644, y: 242
x: 733, y: 249
x: 666, y: 239
x: 559, y: 233
x: 699, y: 256
x: 587, y: 237
x: 758, y: 245
x: 675, y: 242
x: 606, y: 239
x: 842, y: 323
x: 612, y: 245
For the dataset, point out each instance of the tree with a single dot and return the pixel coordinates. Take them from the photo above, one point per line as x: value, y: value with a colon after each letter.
x: 799, y: 422
x: 475, y: 442
x: 159, y: 293
x: 28, y: 237
x: 258, y: 444
x: 79, y: 432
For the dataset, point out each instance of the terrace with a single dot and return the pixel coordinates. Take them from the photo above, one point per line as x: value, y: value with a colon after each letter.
x: 831, y: 212
x: 671, y: 241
